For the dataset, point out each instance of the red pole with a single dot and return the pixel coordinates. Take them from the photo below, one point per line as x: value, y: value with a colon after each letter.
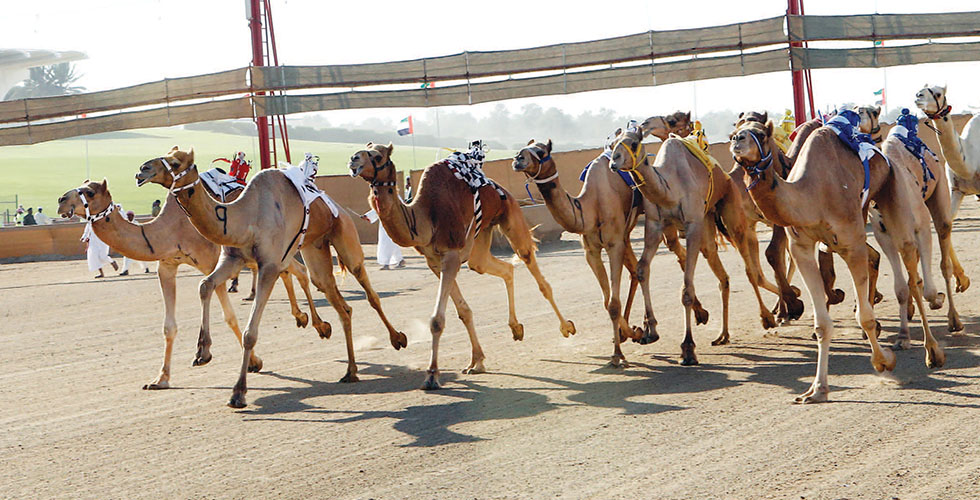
x: 799, y: 106
x: 262, y: 122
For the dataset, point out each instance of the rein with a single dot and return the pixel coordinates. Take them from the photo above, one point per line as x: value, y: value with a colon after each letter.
x: 637, y: 177
x: 942, y: 113
x: 541, y: 161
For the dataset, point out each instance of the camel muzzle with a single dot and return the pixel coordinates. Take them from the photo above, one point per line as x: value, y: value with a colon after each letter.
x: 355, y: 171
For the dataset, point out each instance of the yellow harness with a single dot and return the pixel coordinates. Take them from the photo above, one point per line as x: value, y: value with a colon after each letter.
x: 697, y: 144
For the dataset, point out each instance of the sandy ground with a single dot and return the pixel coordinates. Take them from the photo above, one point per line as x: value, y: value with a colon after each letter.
x: 548, y: 420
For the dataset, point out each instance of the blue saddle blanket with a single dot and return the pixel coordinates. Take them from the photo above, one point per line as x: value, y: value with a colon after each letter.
x: 845, y: 124
x: 627, y: 178
x: 906, y: 130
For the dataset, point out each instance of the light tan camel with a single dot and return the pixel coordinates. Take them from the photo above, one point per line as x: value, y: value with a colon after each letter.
x: 693, y: 198
x: 170, y: 239
x: 933, y: 189
x: 260, y: 223
x: 827, y: 170
x: 962, y: 154
x: 440, y: 224
x: 604, y: 213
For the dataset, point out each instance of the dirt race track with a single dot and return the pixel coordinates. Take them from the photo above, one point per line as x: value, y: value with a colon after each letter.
x: 548, y: 420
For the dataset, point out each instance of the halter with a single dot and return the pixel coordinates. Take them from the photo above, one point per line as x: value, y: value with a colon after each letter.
x: 942, y: 111
x: 541, y: 161
x: 760, y: 166
x: 177, y: 176
x: 637, y: 177
x: 99, y: 216
x: 374, y: 163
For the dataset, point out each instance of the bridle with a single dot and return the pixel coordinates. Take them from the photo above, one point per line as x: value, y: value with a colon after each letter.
x: 99, y: 216
x: 177, y: 176
x: 377, y: 170
x: 942, y: 111
x: 760, y: 166
x: 637, y: 177
x: 541, y: 161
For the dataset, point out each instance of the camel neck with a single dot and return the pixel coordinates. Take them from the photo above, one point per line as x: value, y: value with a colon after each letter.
x: 566, y: 210
x: 400, y: 220
x: 208, y: 216
x: 146, y: 242
x: 654, y: 186
x: 952, y: 147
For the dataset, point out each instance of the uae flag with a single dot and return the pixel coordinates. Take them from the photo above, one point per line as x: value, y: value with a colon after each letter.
x: 405, y: 126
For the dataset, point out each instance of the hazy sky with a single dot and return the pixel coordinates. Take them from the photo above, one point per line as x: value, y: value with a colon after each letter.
x: 136, y: 41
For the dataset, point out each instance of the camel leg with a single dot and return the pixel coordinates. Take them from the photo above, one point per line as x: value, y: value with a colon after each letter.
x: 802, y: 249
x: 466, y: 316
x: 228, y: 312
x: 448, y: 269
x: 935, y: 357
x: 616, y: 252
x: 251, y: 294
x: 319, y: 263
x: 482, y: 261
x: 265, y: 281
x: 695, y: 232
x: 630, y: 263
x: 746, y: 241
x: 519, y: 235
x: 884, y: 238
x: 301, y: 318
x: 882, y: 358
x: 828, y: 275
x: 938, y: 205
x: 874, y: 264
x: 962, y: 281
x: 349, y: 252
x: 593, y: 255
x: 167, y: 275
x: 653, y: 233
x: 228, y: 264
x: 790, y: 306
x: 710, y: 251
x: 299, y: 271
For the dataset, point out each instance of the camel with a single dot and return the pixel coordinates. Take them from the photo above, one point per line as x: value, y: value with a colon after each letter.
x: 693, y: 198
x: 170, y: 239
x: 260, y: 224
x: 933, y: 189
x: 962, y: 154
x: 828, y: 171
x: 604, y: 213
x: 441, y: 224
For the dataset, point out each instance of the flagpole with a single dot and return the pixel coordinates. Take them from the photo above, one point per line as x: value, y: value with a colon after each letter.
x: 414, y: 165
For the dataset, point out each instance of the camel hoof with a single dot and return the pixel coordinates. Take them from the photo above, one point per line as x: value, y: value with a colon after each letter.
x: 323, y: 329
x: 249, y: 298
x: 810, y: 398
x: 201, y: 359
x: 302, y: 320
x: 878, y: 297
x: 795, y: 309
x: 399, y: 340
x: 887, y: 361
x: 649, y: 334
x: 962, y: 283
x: 475, y: 369
x: 156, y: 385
x: 836, y: 298
x: 255, y: 365
x: 692, y: 361
x: 937, y: 303
x: 237, y: 401
x: 911, y: 311
x: 233, y: 288
x: 518, y: 331
x: 796, y: 290
x: 618, y: 362
x: 935, y: 356
x: 768, y: 321
x: 700, y: 315
x: 688, y: 357
x: 567, y: 328
x: 954, y: 324
x: 431, y: 383
x: 902, y: 345
x: 723, y: 339
x: 637, y: 335
x: 350, y: 378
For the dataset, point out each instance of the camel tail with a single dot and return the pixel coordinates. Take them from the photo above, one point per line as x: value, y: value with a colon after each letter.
x: 722, y: 233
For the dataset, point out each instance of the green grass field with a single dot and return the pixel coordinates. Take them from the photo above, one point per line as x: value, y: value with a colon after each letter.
x: 40, y: 173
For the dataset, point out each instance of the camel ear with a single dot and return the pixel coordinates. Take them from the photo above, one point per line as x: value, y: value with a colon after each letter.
x: 765, y: 116
x: 688, y: 115
x: 105, y: 184
x: 877, y: 111
x: 741, y: 114
x: 175, y: 148
x: 530, y: 142
x: 369, y: 145
x: 549, y: 146
x: 618, y: 132
x: 190, y: 155
x: 769, y: 129
x: 390, y: 148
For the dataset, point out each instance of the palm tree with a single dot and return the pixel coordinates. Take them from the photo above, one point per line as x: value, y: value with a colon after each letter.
x: 46, y: 81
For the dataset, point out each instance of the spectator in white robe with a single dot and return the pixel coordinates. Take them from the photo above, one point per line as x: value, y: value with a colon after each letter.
x: 42, y: 218
x: 97, y: 252
x: 131, y: 217
x: 389, y: 254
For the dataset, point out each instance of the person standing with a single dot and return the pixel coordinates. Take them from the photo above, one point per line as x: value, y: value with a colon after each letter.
x: 97, y: 252
x: 155, y: 208
x: 131, y: 217
x: 389, y: 254
x: 29, y: 217
x: 42, y: 218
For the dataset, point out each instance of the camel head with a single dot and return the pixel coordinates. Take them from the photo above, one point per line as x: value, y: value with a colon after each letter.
x: 931, y: 100
x: 535, y: 161
x: 679, y: 123
x: 628, y: 152
x: 869, y: 119
x: 751, y: 116
x: 162, y: 170
x: 95, y: 193
x: 750, y: 143
x: 372, y: 163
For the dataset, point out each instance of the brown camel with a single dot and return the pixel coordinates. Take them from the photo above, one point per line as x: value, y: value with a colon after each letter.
x: 441, y: 225
x: 693, y: 198
x: 604, y: 213
x: 828, y: 171
x: 170, y: 239
x: 260, y: 224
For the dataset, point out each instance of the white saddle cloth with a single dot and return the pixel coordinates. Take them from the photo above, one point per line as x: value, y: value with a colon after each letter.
x: 307, y: 189
x: 220, y: 183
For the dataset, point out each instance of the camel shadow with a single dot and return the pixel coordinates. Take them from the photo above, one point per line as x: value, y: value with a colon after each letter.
x: 428, y: 424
